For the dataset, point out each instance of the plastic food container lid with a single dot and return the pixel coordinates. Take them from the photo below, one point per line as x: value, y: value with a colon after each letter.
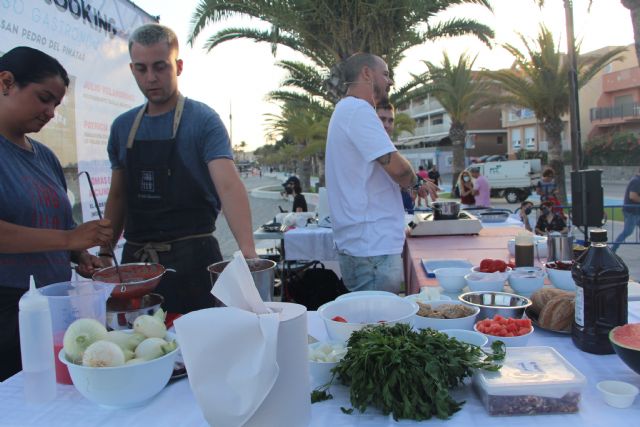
x: 539, y: 371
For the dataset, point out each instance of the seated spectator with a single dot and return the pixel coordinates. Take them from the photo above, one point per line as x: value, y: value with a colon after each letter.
x: 549, y: 220
x: 465, y: 188
x: 525, y: 209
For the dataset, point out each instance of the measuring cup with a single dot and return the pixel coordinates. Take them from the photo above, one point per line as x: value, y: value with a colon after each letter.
x: 69, y: 301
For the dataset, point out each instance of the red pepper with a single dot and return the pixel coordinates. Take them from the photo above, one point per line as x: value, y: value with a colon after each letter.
x: 339, y: 319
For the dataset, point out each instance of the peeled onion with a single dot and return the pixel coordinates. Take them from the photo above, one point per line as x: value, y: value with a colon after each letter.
x: 80, y: 335
x: 152, y: 348
x: 102, y: 354
x: 151, y: 326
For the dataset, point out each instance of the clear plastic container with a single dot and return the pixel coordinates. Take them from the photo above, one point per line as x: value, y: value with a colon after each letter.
x: 533, y: 380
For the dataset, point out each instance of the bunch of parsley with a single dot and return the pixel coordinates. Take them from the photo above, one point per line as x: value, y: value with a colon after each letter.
x: 409, y: 373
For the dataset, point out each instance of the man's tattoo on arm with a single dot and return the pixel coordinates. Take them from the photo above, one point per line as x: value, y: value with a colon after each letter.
x: 385, y: 159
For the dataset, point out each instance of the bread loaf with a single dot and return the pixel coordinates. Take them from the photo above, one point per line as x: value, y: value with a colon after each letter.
x: 558, y: 314
x: 540, y: 298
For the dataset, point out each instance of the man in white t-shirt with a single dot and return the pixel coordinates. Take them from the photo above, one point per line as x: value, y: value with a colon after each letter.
x: 363, y: 175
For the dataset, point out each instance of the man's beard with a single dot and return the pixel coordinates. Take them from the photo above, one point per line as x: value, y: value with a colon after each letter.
x: 380, y: 95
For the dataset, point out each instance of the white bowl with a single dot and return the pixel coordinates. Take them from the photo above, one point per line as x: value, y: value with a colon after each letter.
x: 504, y: 273
x: 485, y: 282
x: 540, y: 249
x: 519, y: 341
x: 469, y: 337
x: 420, y: 322
x: 364, y: 293
x: 122, y: 386
x: 451, y: 278
x: 320, y: 372
x: 618, y: 393
x: 526, y: 280
x: 426, y: 298
x: 360, y: 311
x: 561, y: 279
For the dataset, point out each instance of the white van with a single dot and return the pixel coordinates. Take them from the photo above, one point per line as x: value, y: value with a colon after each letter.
x: 513, y: 179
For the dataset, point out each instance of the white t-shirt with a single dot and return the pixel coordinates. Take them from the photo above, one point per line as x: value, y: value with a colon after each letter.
x: 366, y: 206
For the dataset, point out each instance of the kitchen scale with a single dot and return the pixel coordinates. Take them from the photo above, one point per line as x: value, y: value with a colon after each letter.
x: 423, y: 224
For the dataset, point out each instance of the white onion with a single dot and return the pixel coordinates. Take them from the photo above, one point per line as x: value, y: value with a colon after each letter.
x: 103, y: 354
x: 152, y: 348
x: 125, y: 340
x: 80, y: 335
x: 327, y: 352
x: 151, y: 326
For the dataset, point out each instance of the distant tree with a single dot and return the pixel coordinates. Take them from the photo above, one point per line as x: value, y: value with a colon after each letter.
x: 634, y: 11
x: 538, y: 81
x: 461, y: 92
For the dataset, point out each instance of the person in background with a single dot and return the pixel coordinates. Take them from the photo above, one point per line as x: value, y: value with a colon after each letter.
x: 525, y: 209
x: 37, y: 234
x: 631, y: 210
x: 423, y: 178
x: 299, y: 202
x: 386, y: 114
x: 363, y: 172
x: 546, y: 186
x: 434, y: 175
x: 172, y: 173
x: 465, y: 186
x: 549, y: 220
x: 481, y: 188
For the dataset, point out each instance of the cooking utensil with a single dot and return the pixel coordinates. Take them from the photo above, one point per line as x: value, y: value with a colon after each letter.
x: 95, y: 202
x: 560, y: 247
x: 262, y: 271
x: 445, y: 210
x: 136, y: 279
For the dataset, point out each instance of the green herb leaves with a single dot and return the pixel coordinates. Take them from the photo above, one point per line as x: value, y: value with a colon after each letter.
x: 409, y: 373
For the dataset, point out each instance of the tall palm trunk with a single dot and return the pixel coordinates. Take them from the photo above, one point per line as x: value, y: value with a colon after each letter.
x: 320, y: 159
x: 457, y: 134
x: 305, y: 171
x: 634, y: 10
x: 553, y: 128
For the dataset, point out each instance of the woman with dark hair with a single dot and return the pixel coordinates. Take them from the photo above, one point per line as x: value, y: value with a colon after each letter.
x: 37, y: 234
x: 299, y: 202
x: 550, y: 220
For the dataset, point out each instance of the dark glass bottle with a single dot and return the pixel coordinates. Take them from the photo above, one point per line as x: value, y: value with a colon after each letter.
x: 601, y: 295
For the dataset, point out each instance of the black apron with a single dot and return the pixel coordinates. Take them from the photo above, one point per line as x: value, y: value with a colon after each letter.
x: 169, y: 219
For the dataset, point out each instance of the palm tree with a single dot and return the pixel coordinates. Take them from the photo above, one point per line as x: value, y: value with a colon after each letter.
x: 538, y: 81
x: 461, y: 92
x: 308, y: 129
x: 329, y: 31
x: 634, y: 10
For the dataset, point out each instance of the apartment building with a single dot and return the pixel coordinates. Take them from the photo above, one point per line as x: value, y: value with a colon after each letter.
x: 430, y: 144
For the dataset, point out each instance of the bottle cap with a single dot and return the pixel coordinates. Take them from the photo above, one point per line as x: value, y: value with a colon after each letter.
x: 598, y: 235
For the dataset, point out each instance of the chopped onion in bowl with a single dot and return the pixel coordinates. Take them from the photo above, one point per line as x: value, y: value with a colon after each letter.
x: 327, y: 352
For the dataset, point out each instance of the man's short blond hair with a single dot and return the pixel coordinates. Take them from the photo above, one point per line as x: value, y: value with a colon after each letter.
x: 150, y: 34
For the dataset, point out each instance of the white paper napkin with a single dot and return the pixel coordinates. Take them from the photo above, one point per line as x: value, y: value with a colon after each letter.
x: 230, y: 353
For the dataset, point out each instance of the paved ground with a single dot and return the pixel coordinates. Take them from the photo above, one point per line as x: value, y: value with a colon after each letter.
x: 263, y: 210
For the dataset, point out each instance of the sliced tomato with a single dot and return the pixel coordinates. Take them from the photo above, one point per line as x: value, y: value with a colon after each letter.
x: 339, y: 319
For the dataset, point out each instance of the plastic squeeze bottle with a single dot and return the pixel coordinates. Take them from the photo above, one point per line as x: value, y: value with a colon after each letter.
x: 601, y: 295
x: 36, y: 346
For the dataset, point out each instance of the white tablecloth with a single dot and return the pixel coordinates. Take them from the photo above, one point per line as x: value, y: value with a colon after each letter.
x: 175, y: 405
x: 310, y: 244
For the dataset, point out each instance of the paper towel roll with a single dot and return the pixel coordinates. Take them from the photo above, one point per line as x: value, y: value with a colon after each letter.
x: 288, y: 403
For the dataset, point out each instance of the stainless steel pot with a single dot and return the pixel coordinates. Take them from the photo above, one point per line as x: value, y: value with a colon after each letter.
x: 560, y: 247
x: 262, y: 271
x: 445, y: 210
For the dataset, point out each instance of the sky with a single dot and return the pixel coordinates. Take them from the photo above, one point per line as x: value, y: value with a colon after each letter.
x: 236, y: 76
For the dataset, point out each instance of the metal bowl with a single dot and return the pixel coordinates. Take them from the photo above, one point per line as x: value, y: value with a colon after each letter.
x: 445, y: 210
x: 122, y: 312
x: 138, y: 279
x: 492, y: 303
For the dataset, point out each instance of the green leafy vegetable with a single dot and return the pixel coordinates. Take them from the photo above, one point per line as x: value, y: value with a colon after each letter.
x: 408, y: 373
x: 320, y: 396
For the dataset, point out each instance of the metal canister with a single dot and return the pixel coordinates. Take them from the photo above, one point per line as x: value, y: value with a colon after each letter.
x: 560, y: 247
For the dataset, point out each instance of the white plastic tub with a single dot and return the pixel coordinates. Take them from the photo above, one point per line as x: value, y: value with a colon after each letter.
x: 533, y: 380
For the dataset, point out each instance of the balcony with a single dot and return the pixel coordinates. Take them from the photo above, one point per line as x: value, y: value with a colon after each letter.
x: 621, y: 80
x: 615, y: 114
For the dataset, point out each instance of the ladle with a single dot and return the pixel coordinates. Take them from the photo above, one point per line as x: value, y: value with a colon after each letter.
x: 111, y: 251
